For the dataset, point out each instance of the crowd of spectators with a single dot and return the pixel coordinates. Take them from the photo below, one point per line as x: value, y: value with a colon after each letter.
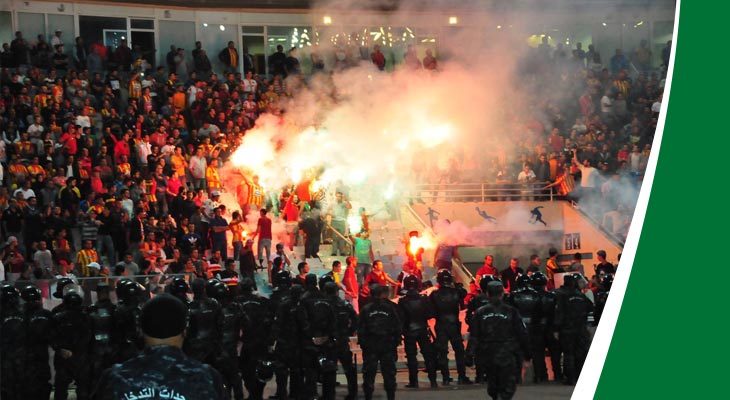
x: 105, y: 159
x: 587, y: 135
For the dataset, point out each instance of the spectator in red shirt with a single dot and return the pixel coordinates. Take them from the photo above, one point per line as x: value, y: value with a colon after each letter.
x: 378, y: 58
x: 263, y: 231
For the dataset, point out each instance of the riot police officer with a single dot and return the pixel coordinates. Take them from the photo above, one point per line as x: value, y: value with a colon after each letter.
x: 230, y: 336
x: 448, y: 301
x: 39, y: 331
x: 571, y: 323
x: 346, y: 327
x: 379, y: 334
x: 416, y: 309
x: 71, y: 343
x: 127, y: 337
x: 286, y: 350
x: 60, y: 284
x: 205, y: 319
x: 179, y: 288
x: 102, y: 325
x: 256, y: 335
x: 12, y: 343
x: 498, y: 337
x: 317, y: 325
x: 527, y: 301
x: 282, y: 283
x: 162, y: 370
x: 602, y: 296
x: 541, y: 336
x: 474, y: 304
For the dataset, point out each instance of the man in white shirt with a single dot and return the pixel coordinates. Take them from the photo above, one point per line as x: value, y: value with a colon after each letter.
x: 56, y: 39
x: 588, y: 176
x: 249, y: 108
x: 43, y: 258
x: 249, y: 84
x: 198, y: 165
x: 144, y: 149
x: 525, y: 177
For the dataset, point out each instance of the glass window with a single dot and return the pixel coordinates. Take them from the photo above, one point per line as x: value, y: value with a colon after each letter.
x: 215, y: 38
x: 142, y: 23
x: 66, y: 24
x: 6, y: 27
x: 292, y: 37
x: 92, y: 30
x: 636, y: 44
x: 607, y: 39
x: 662, y: 33
x: 180, y: 34
x: 253, y: 29
x: 257, y: 49
x: 32, y: 25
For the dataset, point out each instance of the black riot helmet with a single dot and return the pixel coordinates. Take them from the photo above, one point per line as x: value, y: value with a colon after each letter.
x: 310, y: 282
x: 217, y: 290
x: 264, y: 370
x: 327, y: 364
x: 569, y: 281
x: 60, y: 285
x: 330, y: 288
x: 606, y: 282
x: 179, y: 287
x: 127, y: 290
x: 9, y: 295
x: 444, y: 278
x: 538, y: 280
x: 283, y: 279
x: 411, y: 283
x: 485, y: 281
x: 31, y: 294
x: 522, y: 281
x: 72, y: 297
x: 198, y: 288
x: 323, y: 280
x: 246, y: 285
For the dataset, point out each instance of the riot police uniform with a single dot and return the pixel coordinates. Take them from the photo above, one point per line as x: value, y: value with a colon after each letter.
x: 39, y: 331
x: 317, y: 325
x: 286, y: 334
x: 471, y: 308
x: 379, y: 334
x: 150, y: 374
x: 415, y: 310
x: 256, y: 336
x: 12, y: 343
x: 346, y: 327
x: 225, y: 360
x: 527, y: 301
x: 205, y: 319
x: 571, y: 323
x: 498, y: 338
x: 102, y: 324
x: 71, y: 344
x: 541, y: 336
x: 448, y: 301
x: 602, y: 296
x: 127, y: 337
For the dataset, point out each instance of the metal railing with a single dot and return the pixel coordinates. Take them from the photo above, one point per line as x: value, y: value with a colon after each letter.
x: 347, y: 240
x: 480, y: 191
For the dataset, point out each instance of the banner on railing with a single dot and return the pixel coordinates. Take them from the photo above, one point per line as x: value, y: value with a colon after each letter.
x: 497, y: 216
